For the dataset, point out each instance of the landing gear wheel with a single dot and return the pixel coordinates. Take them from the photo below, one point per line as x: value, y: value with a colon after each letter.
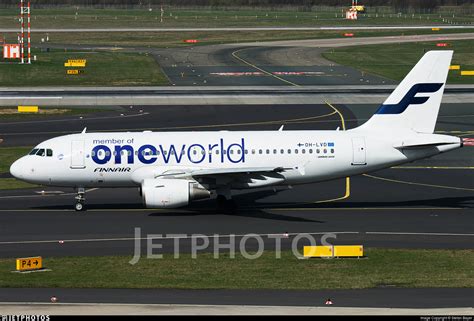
x: 79, y: 206
x: 80, y: 200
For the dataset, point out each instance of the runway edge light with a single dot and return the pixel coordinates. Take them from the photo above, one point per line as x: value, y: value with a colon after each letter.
x: 29, y: 263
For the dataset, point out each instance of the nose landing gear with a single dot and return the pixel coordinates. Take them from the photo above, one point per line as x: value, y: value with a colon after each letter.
x: 80, y: 200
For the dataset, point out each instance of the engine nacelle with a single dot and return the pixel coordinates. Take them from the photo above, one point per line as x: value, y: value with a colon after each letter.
x: 171, y: 193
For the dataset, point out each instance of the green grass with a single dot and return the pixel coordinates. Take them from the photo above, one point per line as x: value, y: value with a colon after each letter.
x: 12, y: 183
x: 174, y: 17
x: 396, y: 60
x: 10, y: 154
x: 382, y: 267
x: 103, y: 69
x: 11, y: 113
x: 7, y: 156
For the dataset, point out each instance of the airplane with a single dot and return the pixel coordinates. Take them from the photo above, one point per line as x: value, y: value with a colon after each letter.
x: 171, y: 169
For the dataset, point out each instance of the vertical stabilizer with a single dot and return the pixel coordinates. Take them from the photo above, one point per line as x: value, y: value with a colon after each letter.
x: 415, y: 103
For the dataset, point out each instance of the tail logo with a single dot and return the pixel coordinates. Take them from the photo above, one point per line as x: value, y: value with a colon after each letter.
x: 410, y: 99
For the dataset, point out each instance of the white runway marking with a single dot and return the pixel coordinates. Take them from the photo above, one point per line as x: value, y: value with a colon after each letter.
x: 46, y: 194
x: 420, y: 233
x: 184, y: 236
x: 213, y: 236
x: 30, y: 97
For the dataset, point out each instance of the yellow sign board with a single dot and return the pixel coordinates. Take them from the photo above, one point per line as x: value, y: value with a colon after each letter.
x: 29, y: 263
x: 436, y: 29
x: 28, y: 109
x: 334, y: 251
x: 317, y: 251
x: 72, y: 72
x: 467, y: 73
x: 454, y: 67
x: 348, y: 251
x: 75, y: 63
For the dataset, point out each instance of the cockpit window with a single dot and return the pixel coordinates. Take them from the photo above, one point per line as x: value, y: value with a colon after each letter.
x: 49, y: 152
x: 33, y: 152
x: 40, y: 152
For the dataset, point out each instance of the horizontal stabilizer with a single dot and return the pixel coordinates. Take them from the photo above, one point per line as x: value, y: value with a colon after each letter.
x: 428, y: 142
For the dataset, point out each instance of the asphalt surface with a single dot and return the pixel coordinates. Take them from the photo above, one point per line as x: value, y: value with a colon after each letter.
x: 294, y: 62
x: 266, y: 63
x: 429, y: 204
x: 378, y: 297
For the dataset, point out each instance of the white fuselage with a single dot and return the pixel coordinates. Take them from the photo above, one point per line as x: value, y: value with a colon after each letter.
x: 124, y: 159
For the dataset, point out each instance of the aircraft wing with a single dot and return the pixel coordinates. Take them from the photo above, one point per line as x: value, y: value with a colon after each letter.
x: 182, y: 172
x: 230, y: 171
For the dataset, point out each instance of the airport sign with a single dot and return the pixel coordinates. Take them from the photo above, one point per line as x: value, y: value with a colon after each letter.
x: 75, y: 63
x: 29, y: 263
x: 28, y: 109
x: 73, y: 72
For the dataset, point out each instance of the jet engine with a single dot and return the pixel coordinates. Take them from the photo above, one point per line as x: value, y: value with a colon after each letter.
x: 171, y: 193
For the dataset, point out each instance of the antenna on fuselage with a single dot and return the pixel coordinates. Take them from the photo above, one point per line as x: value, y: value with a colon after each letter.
x: 281, y: 128
x: 84, y: 130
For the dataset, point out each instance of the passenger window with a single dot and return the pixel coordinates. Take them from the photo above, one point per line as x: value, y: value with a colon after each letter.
x: 268, y: 151
x: 296, y: 151
x: 34, y: 151
x: 40, y: 152
x: 260, y: 151
x: 49, y: 152
x: 282, y: 151
x: 303, y: 151
x: 274, y: 151
x: 310, y: 150
x: 289, y: 151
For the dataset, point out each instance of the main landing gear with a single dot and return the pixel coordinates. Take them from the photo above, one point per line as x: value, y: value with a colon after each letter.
x: 80, y: 200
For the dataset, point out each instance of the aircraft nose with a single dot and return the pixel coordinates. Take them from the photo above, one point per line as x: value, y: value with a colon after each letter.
x: 16, y: 169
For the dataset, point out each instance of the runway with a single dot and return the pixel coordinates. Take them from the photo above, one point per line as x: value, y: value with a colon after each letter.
x: 374, y: 298
x: 427, y: 204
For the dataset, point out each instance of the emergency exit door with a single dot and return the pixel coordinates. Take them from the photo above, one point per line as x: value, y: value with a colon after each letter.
x: 77, y: 154
x: 358, y: 151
